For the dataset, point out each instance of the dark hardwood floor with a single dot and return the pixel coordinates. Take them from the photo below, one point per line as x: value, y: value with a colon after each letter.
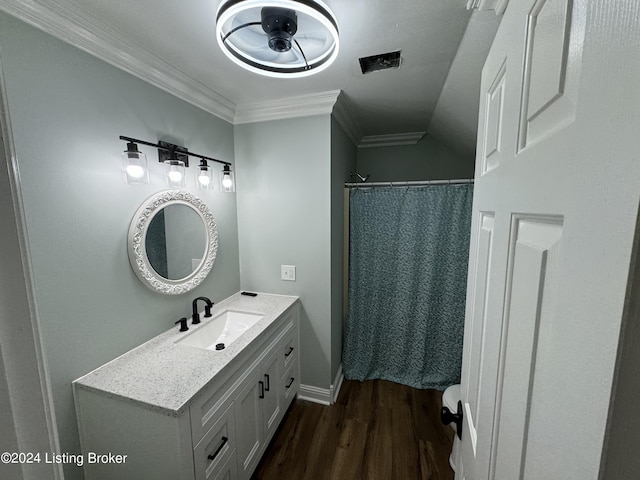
x: 377, y: 430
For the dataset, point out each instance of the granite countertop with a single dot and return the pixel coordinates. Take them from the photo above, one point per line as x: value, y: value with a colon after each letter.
x: 164, y: 376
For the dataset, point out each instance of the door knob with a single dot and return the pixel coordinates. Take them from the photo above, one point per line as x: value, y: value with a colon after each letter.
x: 447, y: 417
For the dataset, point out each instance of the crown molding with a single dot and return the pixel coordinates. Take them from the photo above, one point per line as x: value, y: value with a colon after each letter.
x: 343, y: 114
x: 64, y: 20
x: 391, y: 140
x: 498, y: 5
x: 333, y: 102
x: 292, y: 107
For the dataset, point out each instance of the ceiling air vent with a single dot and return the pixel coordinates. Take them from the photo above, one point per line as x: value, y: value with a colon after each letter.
x: 382, y: 61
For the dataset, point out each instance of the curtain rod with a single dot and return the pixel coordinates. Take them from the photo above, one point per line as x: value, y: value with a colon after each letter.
x: 458, y: 181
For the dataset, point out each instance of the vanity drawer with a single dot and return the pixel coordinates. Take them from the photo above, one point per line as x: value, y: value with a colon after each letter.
x: 213, y: 453
x: 289, y: 349
x: 290, y: 383
x: 205, y: 410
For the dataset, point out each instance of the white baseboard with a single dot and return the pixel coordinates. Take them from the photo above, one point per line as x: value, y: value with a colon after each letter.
x: 315, y: 394
x: 323, y: 396
x: 337, y: 383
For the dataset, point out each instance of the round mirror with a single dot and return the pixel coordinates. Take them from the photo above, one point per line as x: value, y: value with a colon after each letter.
x: 173, y: 241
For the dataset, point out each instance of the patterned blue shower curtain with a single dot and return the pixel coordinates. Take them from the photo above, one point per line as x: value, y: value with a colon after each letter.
x: 409, y: 249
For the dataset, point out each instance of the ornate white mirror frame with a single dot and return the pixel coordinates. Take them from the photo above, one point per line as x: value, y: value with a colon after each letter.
x: 137, y: 242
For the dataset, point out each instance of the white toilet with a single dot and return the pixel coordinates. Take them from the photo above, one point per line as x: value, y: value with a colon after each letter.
x: 450, y: 399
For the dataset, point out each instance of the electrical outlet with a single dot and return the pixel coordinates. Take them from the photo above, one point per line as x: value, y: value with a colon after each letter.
x: 288, y: 272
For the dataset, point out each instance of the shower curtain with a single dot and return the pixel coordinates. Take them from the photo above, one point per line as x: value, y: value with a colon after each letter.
x: 408, y: 254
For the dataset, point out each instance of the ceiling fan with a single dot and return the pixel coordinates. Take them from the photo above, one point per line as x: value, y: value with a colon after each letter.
x: 278, y: 38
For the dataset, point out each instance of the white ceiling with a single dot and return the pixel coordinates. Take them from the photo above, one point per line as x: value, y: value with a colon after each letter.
x: 178, y: 38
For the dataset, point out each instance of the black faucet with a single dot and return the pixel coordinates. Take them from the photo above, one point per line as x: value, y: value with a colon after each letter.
x: 194, y: 308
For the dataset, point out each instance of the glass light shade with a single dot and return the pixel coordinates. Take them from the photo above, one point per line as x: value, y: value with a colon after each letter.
x: 205, y: 180
x: 227, y: 181
x: 134, y: 166
x: 176, y: 176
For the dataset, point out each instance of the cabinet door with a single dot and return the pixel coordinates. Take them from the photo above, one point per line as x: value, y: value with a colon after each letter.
x: 271, y: 403
x: 249, y: 423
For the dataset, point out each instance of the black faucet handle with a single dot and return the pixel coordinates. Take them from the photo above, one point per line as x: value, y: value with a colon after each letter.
x: 207, y: 310
x: 183, y: 324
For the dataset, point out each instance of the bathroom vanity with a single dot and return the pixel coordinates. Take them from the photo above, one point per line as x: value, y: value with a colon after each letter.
x: 183, y: 412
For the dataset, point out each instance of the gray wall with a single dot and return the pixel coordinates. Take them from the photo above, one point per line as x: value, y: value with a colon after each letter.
x: 67, y: 110
x: 23, y: 421
x: 427, y: 160
x: 343, y: 161
x: 284, y: 211
x: 8, y: 439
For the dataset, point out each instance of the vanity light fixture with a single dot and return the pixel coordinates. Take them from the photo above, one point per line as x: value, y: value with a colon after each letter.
x: 278, y: 38
x: 134, y: 165
x: 176, y: 159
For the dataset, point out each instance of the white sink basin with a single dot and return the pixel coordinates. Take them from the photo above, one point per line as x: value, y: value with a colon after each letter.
x: 224, y: 328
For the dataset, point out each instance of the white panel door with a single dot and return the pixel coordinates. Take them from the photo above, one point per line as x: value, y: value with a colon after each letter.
x: 555, y: 209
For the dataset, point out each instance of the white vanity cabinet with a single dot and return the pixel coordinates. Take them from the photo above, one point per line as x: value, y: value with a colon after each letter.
x: 258, y: 402
x: 221, y: 433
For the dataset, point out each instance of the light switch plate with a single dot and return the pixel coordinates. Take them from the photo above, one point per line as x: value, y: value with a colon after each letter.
x: 288, y: 273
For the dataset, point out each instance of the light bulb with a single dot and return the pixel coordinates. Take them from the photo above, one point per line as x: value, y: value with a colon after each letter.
x: 175, y: 176
x: 135, y: 171
x: 226, y: 181
x: 203, y: 178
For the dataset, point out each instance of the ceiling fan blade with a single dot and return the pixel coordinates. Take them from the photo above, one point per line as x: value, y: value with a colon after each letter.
x: 311, y: 42
x: 265, y: 54
x: 239, y: 27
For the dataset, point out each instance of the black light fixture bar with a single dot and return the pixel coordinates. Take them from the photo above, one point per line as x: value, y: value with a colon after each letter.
x: 165, y: 148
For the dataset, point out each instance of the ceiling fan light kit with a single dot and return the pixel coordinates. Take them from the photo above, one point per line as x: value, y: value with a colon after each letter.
x: 278, y: 38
